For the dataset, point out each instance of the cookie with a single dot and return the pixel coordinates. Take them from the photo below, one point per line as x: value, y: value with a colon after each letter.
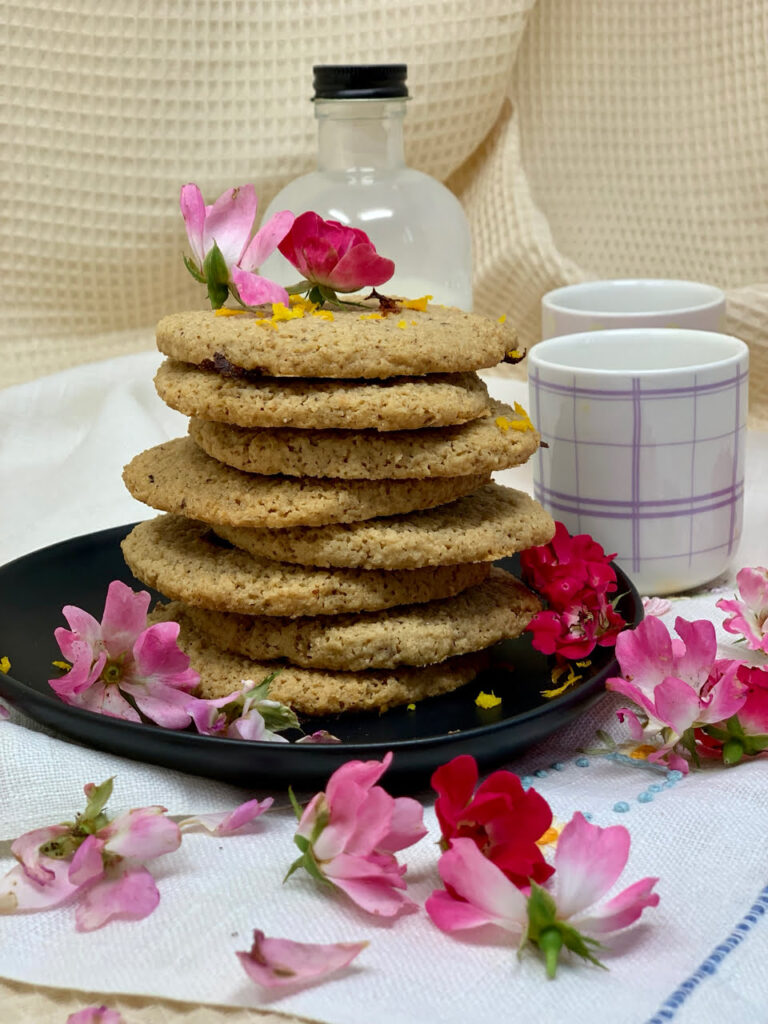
x: 399, y: 403
x: 497, y: 609
x: 481, y: 446
x: 181, y: 558
x: 492, y: 523
x: 178, y: 477
x: 314, y: 691
x: 355, y: 343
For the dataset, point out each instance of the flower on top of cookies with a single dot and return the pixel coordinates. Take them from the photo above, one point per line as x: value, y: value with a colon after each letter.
x: 330, y: 256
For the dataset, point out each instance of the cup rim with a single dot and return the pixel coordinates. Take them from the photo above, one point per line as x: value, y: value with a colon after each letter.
x: 538, y: 354
x: 556, y: 299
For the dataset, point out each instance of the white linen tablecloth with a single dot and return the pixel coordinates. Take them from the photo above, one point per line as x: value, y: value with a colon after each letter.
x: 698, y: 957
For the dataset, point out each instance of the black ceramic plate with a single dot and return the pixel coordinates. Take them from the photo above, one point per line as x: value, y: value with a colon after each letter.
x: 34, y: 588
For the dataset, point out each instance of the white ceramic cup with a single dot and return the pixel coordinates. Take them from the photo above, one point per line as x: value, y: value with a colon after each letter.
x: 651, y: 302
x: 646, y: 433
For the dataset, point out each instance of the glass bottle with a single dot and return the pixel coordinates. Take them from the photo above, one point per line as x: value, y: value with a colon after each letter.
x: 362, y: 181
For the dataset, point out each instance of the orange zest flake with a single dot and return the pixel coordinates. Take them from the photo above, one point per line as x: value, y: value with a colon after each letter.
x: 502, y: 319
x: 550, y: 836
x: 322, y: 314
x: 226, y: 311
x: 411, y: 707
x: 5, y: 664
x: 371, y: 316
x: 281, y: 312
x: 417, y: 304
x: 301, y: 302
x: 266, y: 322
x: 641, y: 753
x: 402, y: 324
x: 523, y: 423
x: 515, y: 353
x: 487, y: 700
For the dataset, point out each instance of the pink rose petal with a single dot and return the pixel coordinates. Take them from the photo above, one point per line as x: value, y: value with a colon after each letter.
x: 273, y: 963
x: 127, y: 893
x: 228, y: 823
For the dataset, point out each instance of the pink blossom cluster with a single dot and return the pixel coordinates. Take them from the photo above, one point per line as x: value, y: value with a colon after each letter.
x: 575, y: 577
x: 491, y: 863
x: 330, y: 256
x: 494, y: 871
x: 697, y: 703
x: 125, y: 669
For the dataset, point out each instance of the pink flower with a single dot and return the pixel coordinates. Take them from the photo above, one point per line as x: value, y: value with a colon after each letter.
x: 349, y: 834
x: 334, y: 257
x: 750, y: 615
x: 252, y: 289
x: 273, y: 963
x: 246, y: 714
x: 122, y: 657
x: 560, y: 570
x: 224, y: 254
x: 745, y: 734
x: 228, y: 822
x: 575, y: 576
x: 100, y: 860
x: 95, y: 1015
x: 226, y: 223
x: 588, y: 862
x: 677, y: 683
x: 590, y: 620
x: 499, y: 816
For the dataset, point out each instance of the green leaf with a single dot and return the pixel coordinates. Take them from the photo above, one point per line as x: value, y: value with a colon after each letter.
x: 316, y: 295
x: 298, y: 863
x: 97, y: 801
x: 328, y: 294
x: 261, y: 690
x: 294, y: 803
x: 299, y: 288
x: 579, y: 944
x: 755, y: 744
x: 194, y: 270
x: 216, y: 276
x: 277, y: 718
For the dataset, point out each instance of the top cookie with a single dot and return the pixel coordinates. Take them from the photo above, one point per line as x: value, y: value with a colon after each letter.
x: 355, y: 343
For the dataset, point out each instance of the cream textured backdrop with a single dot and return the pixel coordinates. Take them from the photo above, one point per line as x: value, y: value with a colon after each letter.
x: 598, y: 138
x: 590, y: 138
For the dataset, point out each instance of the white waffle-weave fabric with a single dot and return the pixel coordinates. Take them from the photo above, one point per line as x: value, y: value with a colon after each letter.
x: 590, y: 139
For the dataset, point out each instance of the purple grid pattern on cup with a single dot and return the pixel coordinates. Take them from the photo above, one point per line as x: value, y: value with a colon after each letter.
x: 635, y: 510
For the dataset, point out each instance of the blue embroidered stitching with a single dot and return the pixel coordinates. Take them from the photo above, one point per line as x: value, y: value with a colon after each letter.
x: 709, y: 966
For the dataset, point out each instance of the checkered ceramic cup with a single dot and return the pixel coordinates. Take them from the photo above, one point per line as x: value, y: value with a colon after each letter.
x: 636, y: 302
x: 646, y: 431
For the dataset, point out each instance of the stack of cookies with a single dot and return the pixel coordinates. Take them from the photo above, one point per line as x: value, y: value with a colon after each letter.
x: 331, y: 512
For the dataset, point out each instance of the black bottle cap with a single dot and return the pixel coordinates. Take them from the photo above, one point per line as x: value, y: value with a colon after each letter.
x: 360, y: 81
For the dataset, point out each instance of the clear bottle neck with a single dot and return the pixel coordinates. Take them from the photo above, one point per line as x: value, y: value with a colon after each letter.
x: 358, y: 135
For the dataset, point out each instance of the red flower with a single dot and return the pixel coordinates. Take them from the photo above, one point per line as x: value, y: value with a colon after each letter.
x: 333, y: 256
x: 567, y: 565
x: 500, y: 817
x: 573, y: 632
